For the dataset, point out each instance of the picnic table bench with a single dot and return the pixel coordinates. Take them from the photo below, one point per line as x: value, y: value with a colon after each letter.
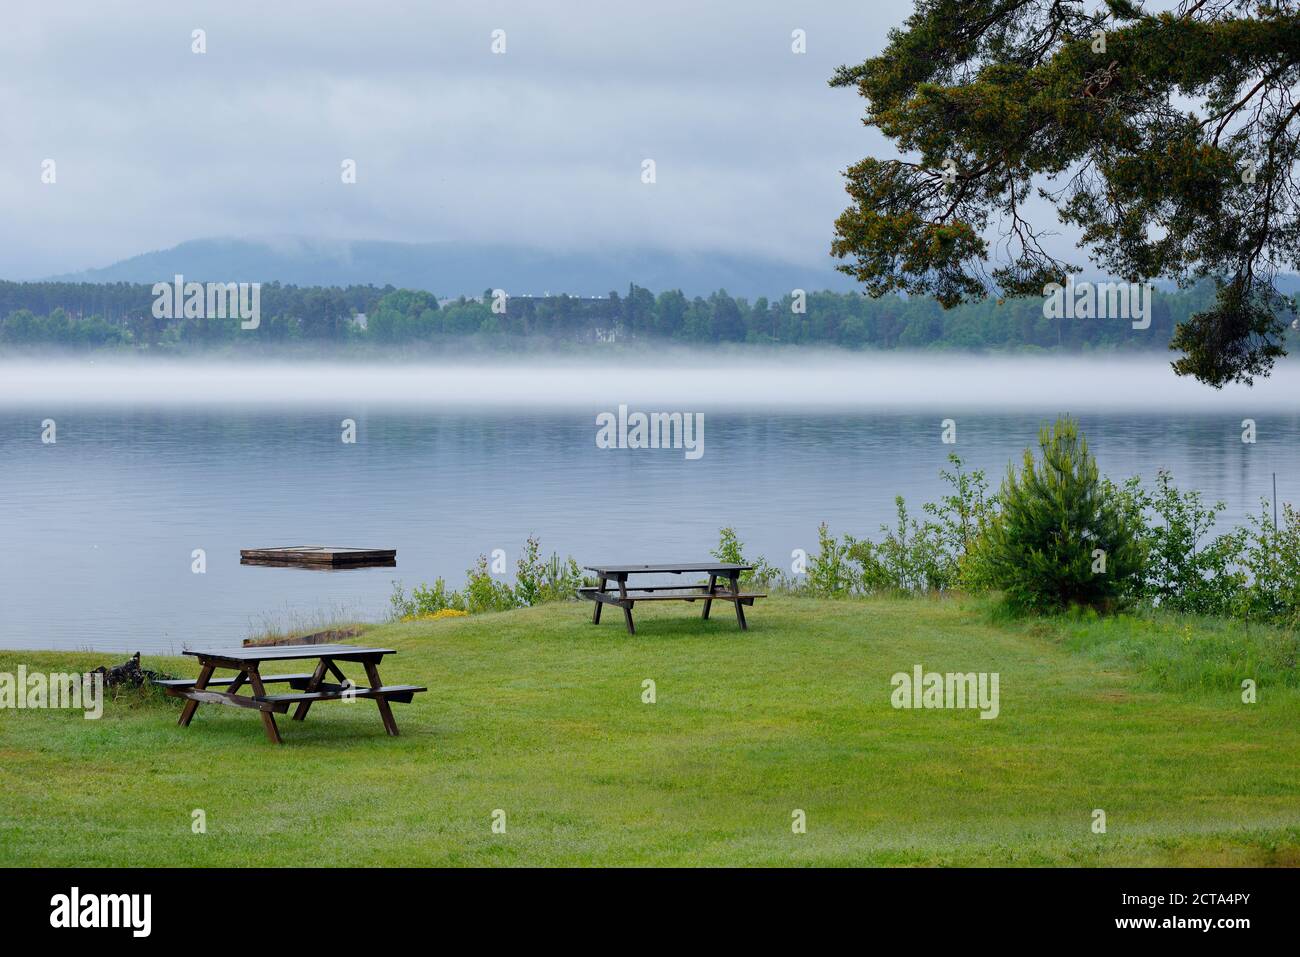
x: 308, y: 688
x: 625, y: 598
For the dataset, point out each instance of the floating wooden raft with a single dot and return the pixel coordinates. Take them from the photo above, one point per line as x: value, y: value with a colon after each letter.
x: 319, y: 556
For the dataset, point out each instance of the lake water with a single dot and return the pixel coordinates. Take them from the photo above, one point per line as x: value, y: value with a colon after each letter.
x: 151, y: 463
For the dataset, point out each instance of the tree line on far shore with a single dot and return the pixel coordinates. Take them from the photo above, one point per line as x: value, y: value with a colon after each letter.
x: 120, y: 316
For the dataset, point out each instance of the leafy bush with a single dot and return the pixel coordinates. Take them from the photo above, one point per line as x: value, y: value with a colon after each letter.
x: 485, y: 593
x: 1063, y: 536
x: 963, y: 520
x: 1271, y: 562
x: 911, y: 557
x: 729, y: 549
x: 942, y: 552
x: 1250, y: 573
x: 1184, y: 572
x: 830, y: 573
x: 537, y: 581
x: 424, y: 601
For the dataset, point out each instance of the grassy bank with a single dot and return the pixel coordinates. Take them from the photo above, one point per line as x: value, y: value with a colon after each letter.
x: 540, y: 714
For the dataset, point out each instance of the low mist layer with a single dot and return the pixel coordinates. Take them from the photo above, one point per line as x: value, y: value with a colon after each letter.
x: 677, y: 381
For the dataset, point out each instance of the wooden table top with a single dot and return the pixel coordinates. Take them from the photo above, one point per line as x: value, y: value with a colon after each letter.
x: 289, y: 652
x: 707, y: 567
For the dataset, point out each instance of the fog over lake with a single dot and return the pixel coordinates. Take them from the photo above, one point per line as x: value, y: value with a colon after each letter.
x: 156, y: 459
x: 672, y: 380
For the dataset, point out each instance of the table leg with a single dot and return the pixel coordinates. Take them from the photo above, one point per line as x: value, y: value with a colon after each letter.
x: 317, y: 677
x: 595, y: 612
x: 627, y: 609
x: 740, y: 610
x: 334, y: 670
x: 708, y: 602
x: 385, y: 709
x: 268, y: 719
x: 191, y: 705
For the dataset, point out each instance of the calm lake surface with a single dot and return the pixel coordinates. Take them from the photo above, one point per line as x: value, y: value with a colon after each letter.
x: 97, y: 529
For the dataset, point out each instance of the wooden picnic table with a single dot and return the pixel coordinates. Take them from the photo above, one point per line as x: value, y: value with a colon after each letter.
x: 625, y: 598
x: 308, y: 688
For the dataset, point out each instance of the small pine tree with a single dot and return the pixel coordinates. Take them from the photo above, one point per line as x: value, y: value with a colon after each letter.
x: 1064, y: 536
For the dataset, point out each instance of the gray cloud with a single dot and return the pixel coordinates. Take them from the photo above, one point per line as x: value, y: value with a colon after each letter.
x: 543, y: 145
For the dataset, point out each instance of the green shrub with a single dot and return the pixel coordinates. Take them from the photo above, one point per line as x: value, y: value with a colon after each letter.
x: 423, y: 600
x: 729, y: 549
x: 1064, y: 537
x: 538, y: 581
x: 1184, y: 571
x: 485, y: 593
x: 963, y: 519
x: 942, y: 552
x: 830, y: 573
x: 910, y: 557
x: 1271, y: 561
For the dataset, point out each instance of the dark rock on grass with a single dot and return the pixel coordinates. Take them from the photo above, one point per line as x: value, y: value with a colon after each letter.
x: 129, y: 674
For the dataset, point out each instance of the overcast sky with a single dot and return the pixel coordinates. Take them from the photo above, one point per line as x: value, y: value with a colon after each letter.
x: 155, y: 144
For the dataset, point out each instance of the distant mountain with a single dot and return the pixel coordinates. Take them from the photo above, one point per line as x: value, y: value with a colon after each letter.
x: 451, y: 269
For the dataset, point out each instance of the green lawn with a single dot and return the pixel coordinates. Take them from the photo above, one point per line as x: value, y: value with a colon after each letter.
x: 539, y: 713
